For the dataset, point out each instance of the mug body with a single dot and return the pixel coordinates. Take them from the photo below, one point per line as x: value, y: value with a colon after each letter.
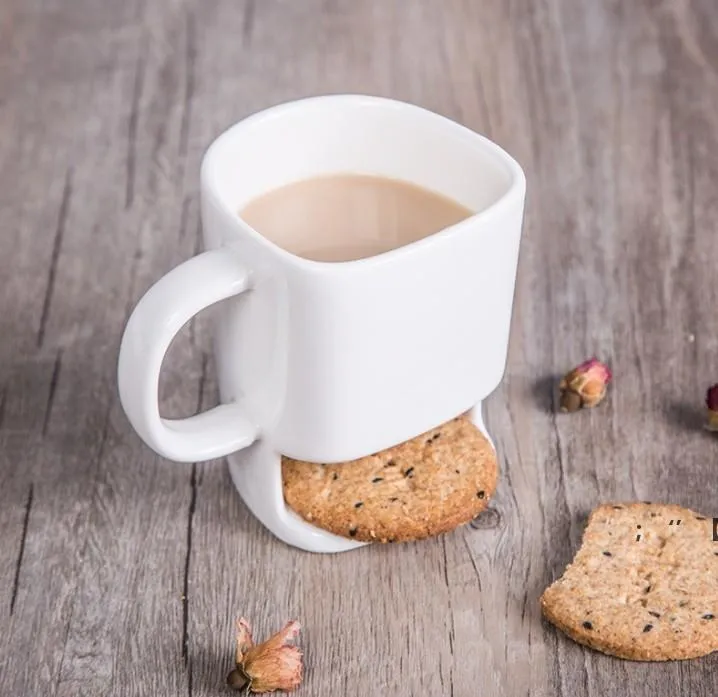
x: 335, y: 361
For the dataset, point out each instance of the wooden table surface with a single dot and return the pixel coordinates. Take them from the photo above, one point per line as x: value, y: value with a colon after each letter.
x: 121, y: 573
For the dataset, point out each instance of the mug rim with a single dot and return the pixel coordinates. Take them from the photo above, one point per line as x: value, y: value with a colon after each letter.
x: 208, y: 175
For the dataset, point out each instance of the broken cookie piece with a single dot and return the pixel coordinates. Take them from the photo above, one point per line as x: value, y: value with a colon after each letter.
x: 643, y: 586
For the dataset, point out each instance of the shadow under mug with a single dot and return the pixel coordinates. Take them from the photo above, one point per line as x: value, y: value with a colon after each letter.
x: 332, y: 361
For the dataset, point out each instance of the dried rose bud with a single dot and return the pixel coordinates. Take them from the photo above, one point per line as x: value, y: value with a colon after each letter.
x: 272, y: 665
x: 712, y: 405
x: 584, y: 386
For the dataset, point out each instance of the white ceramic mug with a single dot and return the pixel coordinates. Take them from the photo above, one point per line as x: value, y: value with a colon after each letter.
x: 325, y: 361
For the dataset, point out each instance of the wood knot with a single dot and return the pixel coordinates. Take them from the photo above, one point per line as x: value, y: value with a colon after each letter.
x: 487, y: 520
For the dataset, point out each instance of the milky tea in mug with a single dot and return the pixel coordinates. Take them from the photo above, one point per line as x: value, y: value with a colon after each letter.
x: 345, y: 217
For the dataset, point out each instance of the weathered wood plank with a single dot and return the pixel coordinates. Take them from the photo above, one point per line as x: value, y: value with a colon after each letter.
x: 79, y: 600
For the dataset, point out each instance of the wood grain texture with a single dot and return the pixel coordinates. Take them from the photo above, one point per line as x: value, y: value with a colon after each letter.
x: 120, y: 573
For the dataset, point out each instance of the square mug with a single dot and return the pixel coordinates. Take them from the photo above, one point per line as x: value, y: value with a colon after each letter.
x: 332, y: 361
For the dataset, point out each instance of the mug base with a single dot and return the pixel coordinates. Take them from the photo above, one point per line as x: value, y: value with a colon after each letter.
x: 257, y: 475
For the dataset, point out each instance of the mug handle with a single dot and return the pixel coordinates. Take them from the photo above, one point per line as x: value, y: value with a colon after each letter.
x: 190, y: 287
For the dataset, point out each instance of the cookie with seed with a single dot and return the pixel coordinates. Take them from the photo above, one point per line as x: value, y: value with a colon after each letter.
x: 423, y: 487
x: 643, y: 586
